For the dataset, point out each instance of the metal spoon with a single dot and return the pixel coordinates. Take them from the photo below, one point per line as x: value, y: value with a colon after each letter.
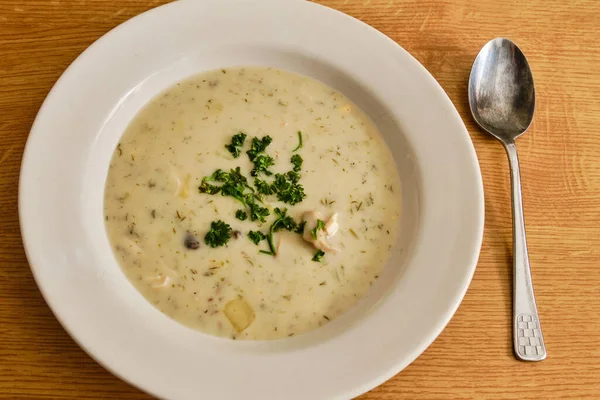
x: 502, y: 101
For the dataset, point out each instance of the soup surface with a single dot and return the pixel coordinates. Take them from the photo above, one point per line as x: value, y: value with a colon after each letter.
x: 284, y: 244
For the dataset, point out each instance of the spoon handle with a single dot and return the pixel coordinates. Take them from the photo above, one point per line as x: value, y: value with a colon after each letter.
x: 527, y: 332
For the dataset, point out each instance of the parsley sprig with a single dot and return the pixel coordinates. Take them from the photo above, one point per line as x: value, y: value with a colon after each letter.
x: 318, y: 257
x: 288, y: 189
x: 283, y: 221
x: 297, y: 162
x: 256, y: 236
x: 241, y: 215
x: 299, y: 142
x: 218, y: 235
x: 285, y: 186
x: 320, y: 226
x: 235, y: 185
x: 237, y: 142
x: 261, y: 161
x: 263, y: 187
x: 258, y: 146
x: 300, y: 229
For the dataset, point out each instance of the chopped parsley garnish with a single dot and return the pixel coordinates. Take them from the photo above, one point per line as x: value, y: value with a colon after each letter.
x: 263, y: 187
x: 218, y: 235
x: 256, y: 236
x: 285, y: 187
x: 288, y: 189
x: 217, y: 176
x: 293, y: 176
x: 318, y: 257
x: 261, y: 164
x: 256, y: 211
x: 207, y: 188
x: 315, y: 231
x: 237, y: 142
x: 283, y: 221
x: 235, y: 185
x: 221, y: 176
x: 300, y: 229
x: 297, y: 161
x: 299, y: 141
x: 258, y: 146
x: 241, y: 215
x: 261, y: 161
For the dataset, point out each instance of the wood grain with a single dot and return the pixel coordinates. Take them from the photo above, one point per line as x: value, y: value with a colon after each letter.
x: 472, y: 359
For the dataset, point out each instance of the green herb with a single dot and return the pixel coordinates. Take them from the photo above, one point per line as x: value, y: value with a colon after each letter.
x: 261, y: 164
x: 256, y: 211
x: 261, y: 161
x: 218, y: 235
x: 318, y: 257
x: 263, y: 187
x: 236, y: 177
x: 241, y: 215
x: 237, y: 142
x: 285, y: 186
x: 283, y: 221
x: 320, y: 226
x: 297, y: 161
x: 299, y: 141
x: 256, y: 236
x: 220, y: 176
x: 235, y: 185
x: 292, y: 176
x: 288, y: 189
x: 258, y: 146
x: 207, y: 188
x: 300, y: 229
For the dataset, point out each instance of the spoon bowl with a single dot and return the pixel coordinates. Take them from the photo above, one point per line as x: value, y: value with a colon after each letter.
x: 501, y: 90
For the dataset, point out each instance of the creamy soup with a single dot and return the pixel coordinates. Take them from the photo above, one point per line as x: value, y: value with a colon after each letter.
x: 284, y: 244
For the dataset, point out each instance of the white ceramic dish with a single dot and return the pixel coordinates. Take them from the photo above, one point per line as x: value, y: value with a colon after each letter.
x: 66, y: 161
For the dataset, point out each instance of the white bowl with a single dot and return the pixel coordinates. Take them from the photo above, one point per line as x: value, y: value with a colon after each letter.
x: 66, y: 162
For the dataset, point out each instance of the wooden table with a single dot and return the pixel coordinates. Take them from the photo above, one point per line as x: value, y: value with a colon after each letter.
x: 472, y: 358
